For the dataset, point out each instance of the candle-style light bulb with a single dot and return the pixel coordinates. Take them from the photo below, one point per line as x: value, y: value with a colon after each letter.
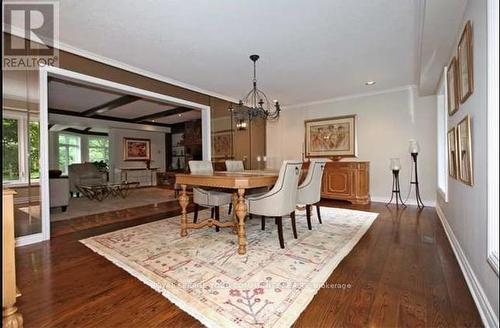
x: 413, y: 147
x: 395, y: 164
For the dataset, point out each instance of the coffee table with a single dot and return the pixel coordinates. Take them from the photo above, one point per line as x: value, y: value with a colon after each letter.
x: 101, y: 191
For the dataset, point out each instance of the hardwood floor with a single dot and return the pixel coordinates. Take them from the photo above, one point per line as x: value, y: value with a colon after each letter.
x: 402, y: 273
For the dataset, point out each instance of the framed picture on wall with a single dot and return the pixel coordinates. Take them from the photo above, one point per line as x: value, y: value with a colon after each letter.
x: 464, y: 151
x: 222, y: 144
x: 465, y: 65
x: 452, y: 87
x: 331, y: 137
x: 452, y: 153
x: 136, y: 149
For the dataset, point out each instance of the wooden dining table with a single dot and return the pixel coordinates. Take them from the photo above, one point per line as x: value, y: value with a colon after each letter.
x: 239, y: 182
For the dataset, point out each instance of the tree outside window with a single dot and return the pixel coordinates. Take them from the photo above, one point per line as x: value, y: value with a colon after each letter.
x: 69, y: 151
x: 10, y: 149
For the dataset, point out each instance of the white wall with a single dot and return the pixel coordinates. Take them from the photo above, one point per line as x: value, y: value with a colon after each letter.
x: 385, y: 124
x: 116, y: 149
x: 466, y: 210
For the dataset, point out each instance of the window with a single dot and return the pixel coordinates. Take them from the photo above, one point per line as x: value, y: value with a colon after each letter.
x: 10, y: 150
x: 21, y: 150
x: 98, y: 149
x: 34, y: 150
x: 69, y: 151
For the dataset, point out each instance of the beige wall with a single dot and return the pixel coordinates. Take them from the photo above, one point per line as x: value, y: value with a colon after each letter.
x: 385, y: 124
x: 466, y: 209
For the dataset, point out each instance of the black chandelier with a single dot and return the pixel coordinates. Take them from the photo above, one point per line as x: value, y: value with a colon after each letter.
x: 255, y: 104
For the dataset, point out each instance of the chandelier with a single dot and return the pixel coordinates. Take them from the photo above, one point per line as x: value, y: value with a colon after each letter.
x: 255, y: 104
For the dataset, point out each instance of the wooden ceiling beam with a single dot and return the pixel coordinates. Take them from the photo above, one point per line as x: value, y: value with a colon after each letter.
x: 115, y: 103
x: 165, y: 113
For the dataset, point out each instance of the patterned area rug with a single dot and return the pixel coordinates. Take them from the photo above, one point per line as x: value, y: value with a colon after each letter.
x: 203, y: 274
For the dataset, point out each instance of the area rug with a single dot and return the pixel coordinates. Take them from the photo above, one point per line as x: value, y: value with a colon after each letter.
x: 203, y: 274
x: 82, y: 206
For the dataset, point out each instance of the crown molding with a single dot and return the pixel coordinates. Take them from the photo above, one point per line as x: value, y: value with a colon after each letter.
x: 353, y: 96
x: 118, y: 64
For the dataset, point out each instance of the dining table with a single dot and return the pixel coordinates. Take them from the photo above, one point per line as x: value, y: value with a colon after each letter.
x: 238, y: 182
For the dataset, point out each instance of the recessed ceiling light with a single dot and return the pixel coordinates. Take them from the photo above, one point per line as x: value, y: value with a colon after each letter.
x: 180, y: 115
x: 370, y: 82
x: 154, y: 121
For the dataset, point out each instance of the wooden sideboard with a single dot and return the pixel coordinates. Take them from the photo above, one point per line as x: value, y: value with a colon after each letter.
x: 346, y: 180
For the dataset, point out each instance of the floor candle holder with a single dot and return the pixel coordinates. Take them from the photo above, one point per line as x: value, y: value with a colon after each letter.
x: 396, y: 187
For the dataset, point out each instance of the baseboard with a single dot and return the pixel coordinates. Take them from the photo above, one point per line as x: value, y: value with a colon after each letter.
x: 411, y: 201
x: 485, y: 310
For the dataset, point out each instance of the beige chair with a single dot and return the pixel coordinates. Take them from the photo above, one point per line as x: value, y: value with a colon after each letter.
x: 309, y: 191
x: 59, y: 192
x: 280, y: 200
x: 84, y: 174
x: 234, y: 166
x: 204, y: 197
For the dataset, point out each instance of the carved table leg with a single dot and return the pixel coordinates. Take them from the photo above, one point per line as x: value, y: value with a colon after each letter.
x: 241, y: 212
x: 183, y: 202
x: 12, y: 318
x: 234, y: 201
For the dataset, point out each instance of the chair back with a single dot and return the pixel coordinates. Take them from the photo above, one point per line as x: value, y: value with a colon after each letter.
x: 309, y: 191
x: 201, y: 167
x: 285, y: 189
x: 235, y: 166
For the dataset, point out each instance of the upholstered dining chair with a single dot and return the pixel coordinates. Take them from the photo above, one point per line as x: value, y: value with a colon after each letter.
x: 205, y: 197
x: 234, y: 166
x: 309, y: 191
x: 280, y: 200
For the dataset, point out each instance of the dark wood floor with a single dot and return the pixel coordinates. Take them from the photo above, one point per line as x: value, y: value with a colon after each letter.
x: 402, y: 272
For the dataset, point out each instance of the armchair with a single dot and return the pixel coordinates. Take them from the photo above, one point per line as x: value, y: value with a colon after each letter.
x: 84, y: 174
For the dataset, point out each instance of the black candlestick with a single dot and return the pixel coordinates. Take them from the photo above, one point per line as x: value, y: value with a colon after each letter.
x: 396, y: 190
x: 420, y: 204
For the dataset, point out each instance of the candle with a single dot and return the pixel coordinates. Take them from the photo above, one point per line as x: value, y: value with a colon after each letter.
x: 395, y: 164
x: 258, y: 158
x: 264, y: 158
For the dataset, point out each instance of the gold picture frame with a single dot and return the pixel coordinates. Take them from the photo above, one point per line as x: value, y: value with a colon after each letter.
x: 135, y: 149
x: 464, y: 151
x: 331, y: 137
x: 452, y: 153
x: 465, y: 64
x: 452, y: 87
x: 222, y: 144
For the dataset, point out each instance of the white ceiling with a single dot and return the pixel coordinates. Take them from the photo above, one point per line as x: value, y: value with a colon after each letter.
x: 187, y: 116
x: 310, y: 50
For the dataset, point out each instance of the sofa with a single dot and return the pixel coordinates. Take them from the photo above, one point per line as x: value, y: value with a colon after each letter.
x: 59, y: 192
x: 85, y: 174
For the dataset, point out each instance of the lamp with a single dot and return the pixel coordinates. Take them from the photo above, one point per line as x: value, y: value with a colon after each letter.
x: 414, y: 149
x: 395, y: 167
x: 256, y: 104
x: 241, y: 125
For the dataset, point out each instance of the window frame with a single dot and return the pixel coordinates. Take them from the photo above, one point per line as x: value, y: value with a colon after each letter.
x: 442, y: 136
x: 493, y: 135
x: 23, y: 145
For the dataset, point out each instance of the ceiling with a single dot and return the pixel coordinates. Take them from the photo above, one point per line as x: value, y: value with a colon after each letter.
x: 75, y: 99
x: 310, y: 50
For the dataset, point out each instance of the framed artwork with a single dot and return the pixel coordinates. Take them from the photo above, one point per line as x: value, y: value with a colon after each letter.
x: 464, y: 151
x: 452, y: 153
x: 465, y: 65
x: 331, y: 137
x: 136, y: 149
x: 452, y: 87
x: 222, y: 144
